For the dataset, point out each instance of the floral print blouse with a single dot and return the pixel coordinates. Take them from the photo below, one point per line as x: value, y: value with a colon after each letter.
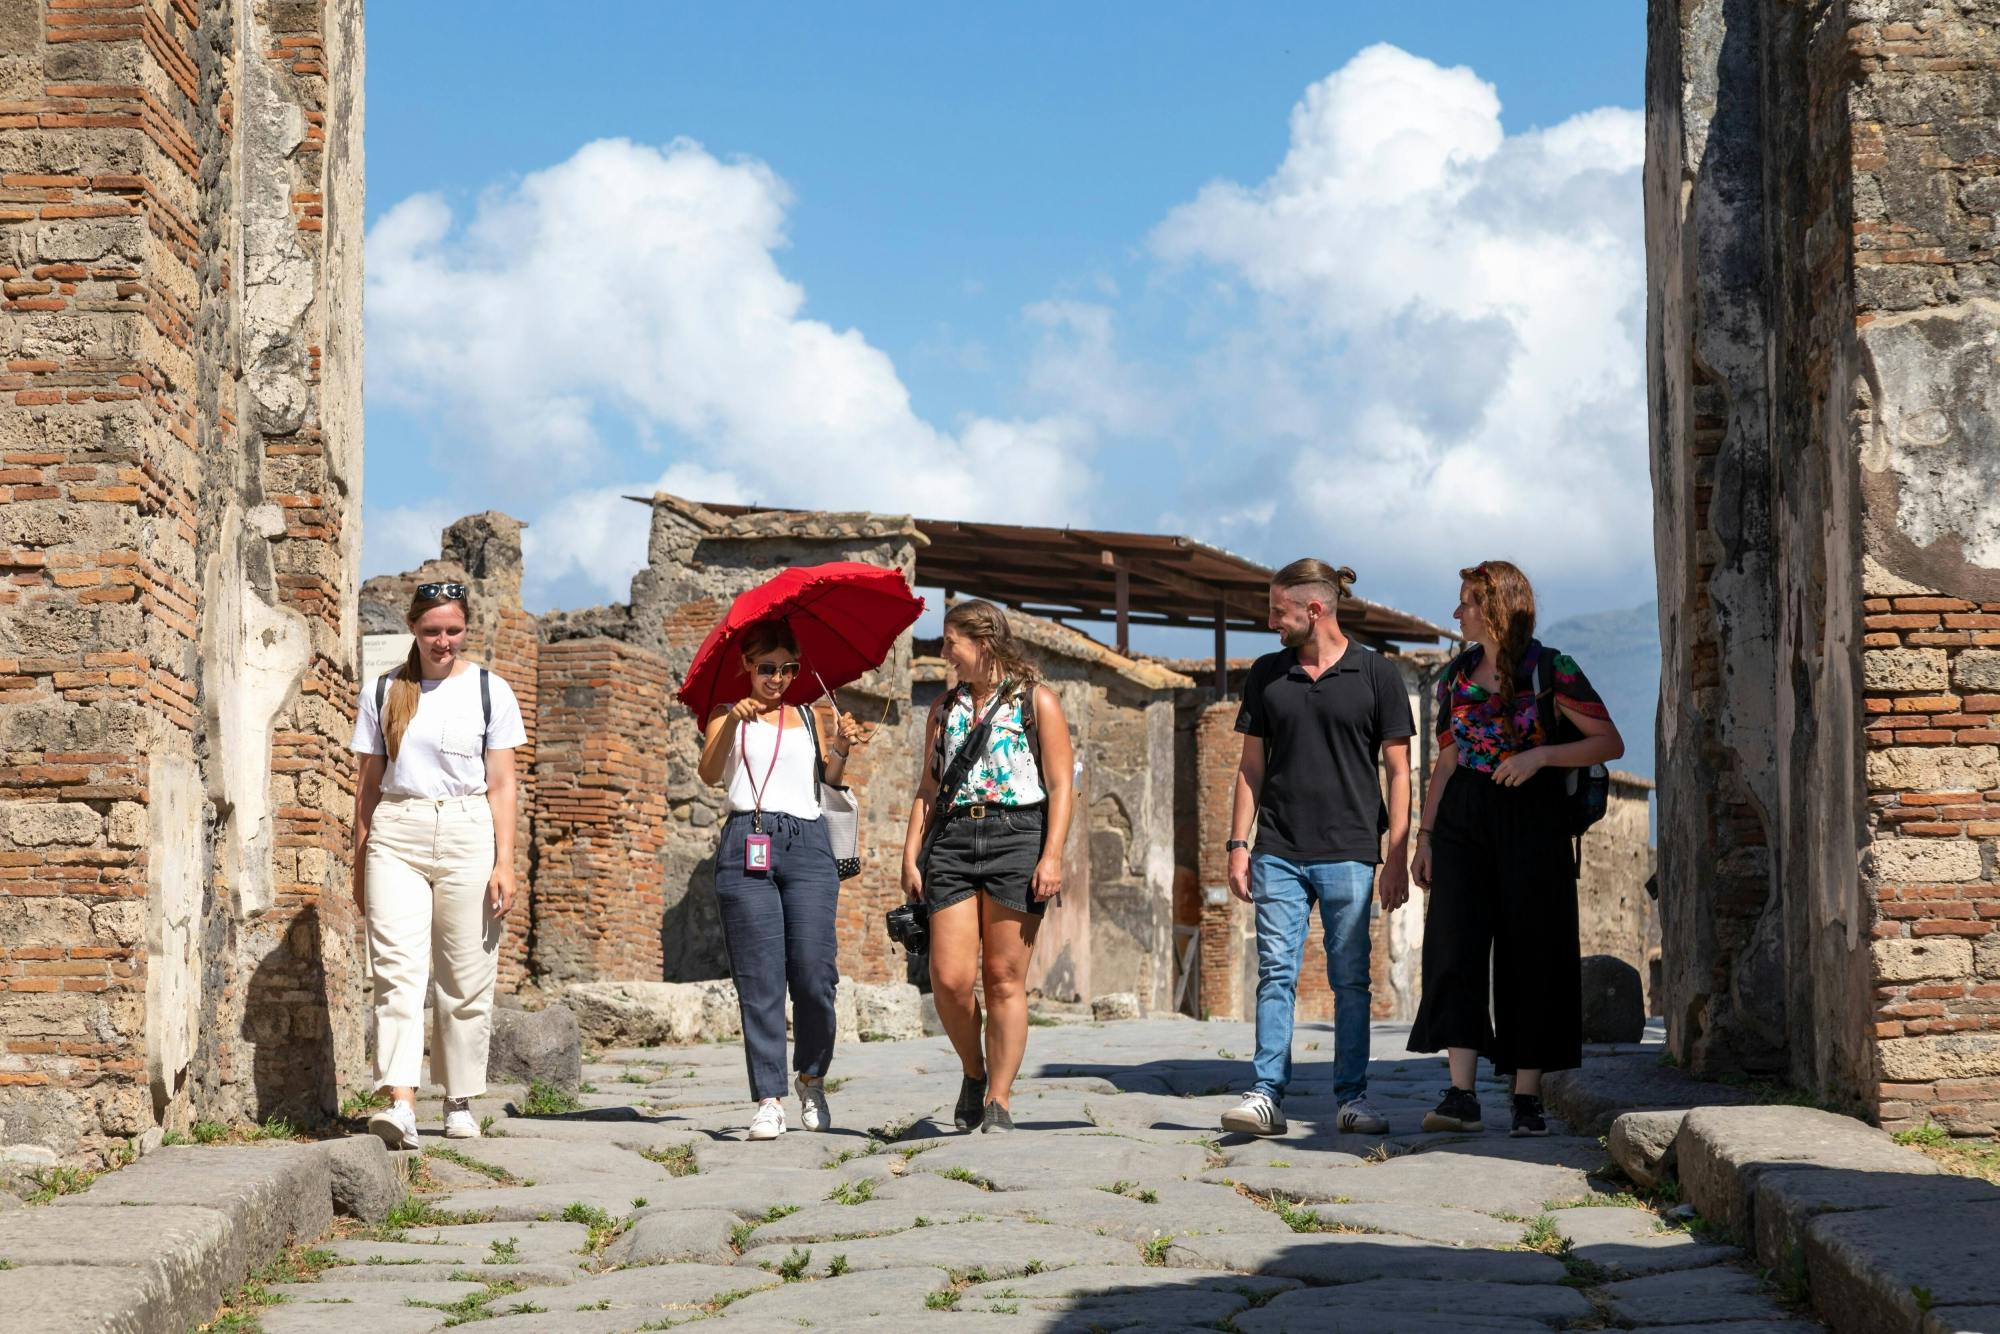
x: 1006, y: 775
x: 1470, y: 715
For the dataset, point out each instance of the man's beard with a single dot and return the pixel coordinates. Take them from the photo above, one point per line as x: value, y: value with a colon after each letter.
x: 1295, y: 638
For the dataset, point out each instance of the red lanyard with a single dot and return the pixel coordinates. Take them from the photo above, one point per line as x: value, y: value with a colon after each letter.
x: 756, y: 797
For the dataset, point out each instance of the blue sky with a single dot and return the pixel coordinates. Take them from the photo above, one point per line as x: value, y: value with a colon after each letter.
x: 1285, y: 277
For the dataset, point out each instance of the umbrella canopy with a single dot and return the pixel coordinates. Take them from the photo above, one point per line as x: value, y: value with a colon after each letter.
x: 845, y: 615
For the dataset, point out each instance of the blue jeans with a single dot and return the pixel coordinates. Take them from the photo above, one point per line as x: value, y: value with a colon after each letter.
x: 1284, y: 892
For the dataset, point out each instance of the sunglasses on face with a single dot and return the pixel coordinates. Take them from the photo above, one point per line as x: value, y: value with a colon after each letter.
x: 769, y: 669
x: 450, y: 589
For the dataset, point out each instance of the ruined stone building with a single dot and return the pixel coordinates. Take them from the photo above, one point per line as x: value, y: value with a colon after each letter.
x: 1822, y: 188
x: 180, y: 418
x: 619, y: 835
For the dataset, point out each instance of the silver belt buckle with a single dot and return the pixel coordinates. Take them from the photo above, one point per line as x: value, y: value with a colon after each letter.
x: 977, y: 811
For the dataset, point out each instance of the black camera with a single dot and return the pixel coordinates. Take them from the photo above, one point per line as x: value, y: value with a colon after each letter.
x: 910, y: 926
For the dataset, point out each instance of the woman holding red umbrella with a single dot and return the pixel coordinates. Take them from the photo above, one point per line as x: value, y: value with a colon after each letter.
x: 775, y: 877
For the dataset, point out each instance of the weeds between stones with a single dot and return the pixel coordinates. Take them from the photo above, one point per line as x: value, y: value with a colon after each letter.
x: 793, y: 1267
x: 1543, y: 1235
x: 239, y: 1313
x: 639, y: 1077
x: 209, y: 1132
x: 740, y: 1234
x: 53, y: 1182
x: 603, y: 1227
x: 836, y: 1266
x: 713, y: 1306
x: 853, y: 1192
x: 361, y: 1102
x: 1130, y: 1190
x: 834, y: 1086
x: 488, y: 1170
x: 1154, y: 1252
x: 474, y: 1305
x: 678, y: 1159
x: 966, y: 1175
x: 1038, y: 1020
x: 504, y: 1252
x: 545, y: 1099
x: 1962, y: 1157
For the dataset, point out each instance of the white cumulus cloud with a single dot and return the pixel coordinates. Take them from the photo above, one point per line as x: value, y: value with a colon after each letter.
x: 635, y: 290
x: 1437, y: 329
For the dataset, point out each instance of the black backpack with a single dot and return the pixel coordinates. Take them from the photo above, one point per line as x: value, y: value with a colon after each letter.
x: 1586, y: 791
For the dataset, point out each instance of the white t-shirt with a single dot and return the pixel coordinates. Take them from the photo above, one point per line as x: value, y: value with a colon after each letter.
x: 792, y: 788
x: 443, y: 752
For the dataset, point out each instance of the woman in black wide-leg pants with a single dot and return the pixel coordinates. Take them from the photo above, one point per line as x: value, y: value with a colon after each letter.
x: 1494, y: 851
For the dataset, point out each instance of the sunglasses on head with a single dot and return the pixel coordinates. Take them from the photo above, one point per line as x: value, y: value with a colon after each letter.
x: 450, y: 590
x: 777, y: 669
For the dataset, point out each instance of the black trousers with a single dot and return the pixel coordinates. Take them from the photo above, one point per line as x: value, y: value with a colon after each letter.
x: 1503, y: 889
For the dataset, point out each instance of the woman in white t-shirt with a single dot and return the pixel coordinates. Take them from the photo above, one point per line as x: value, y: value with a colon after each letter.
x: 775, y: 877
x: 434, y: 859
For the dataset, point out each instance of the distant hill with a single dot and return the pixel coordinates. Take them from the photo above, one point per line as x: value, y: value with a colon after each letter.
x: 1620, y: 652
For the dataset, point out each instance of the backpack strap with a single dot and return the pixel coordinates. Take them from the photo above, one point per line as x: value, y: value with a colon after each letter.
x: 485, y: 703
x: 812, y: 734
x: 381, y: 693
x: 1545, y: 694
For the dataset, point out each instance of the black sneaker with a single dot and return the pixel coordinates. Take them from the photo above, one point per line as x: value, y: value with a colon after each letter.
x: 971, y: 1097
x: 997, y: 1121
x: 1528, y: 1118
x: 1458, y: 1111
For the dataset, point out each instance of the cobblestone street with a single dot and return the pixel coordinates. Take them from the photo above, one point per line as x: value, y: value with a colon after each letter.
x: 1117, y: 1205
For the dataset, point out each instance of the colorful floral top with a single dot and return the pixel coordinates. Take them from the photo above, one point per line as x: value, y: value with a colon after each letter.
x: 1470, y: 715
x: 1006, y: 775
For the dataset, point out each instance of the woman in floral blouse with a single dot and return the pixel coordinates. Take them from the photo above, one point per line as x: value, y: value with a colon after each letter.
x: 994, y: 859
x: 1494, y: 854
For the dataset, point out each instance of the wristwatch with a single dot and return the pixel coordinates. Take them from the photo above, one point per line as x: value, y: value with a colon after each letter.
x: 1236, y: 843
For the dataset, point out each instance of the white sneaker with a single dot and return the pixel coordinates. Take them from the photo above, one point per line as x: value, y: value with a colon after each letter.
x: 813, y: 1111
x: 396, y: 1126
x: 458, y: 1122
x: 769, y: 1123
x: 1255, y: 1115
x: 1358, y: 1118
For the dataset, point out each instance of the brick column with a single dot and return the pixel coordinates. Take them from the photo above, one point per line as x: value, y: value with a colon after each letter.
x: 600, y: 814
x: 1217, y: 749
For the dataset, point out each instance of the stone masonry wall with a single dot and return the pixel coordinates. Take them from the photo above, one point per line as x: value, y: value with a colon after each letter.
x: 180, y: 205
x: 1821, y: 188
x: 600, y: 813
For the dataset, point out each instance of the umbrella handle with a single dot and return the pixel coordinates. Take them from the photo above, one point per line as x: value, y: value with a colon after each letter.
x: 828, y: 693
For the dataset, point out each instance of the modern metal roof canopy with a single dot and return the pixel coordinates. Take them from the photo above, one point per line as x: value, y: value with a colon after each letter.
x: 1124, y: 579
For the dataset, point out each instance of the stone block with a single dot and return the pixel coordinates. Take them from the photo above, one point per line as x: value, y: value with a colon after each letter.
x: 1977, y: 671
x: 1905, y: 669
x: 1925, y: 860
x: 1918, y: 960
x: 1614, y: 1000
x: 1934, y: 768
x: 653, y: 1014
x: 892, y: 1010
x: 1882, y: 1269
x: 269, y: 1195
x: 528, y: 1045
x: 1722, y: 1152
x: 1118, y: 1005
x: 36, y: 824
x: 137, y: 1271
x: 1787, y: 1200
x: 1951, y: 1056
x: 1986, y: 957
x: 699, y: 1236
x: 1642, y: 1144
x: 364, y: 1183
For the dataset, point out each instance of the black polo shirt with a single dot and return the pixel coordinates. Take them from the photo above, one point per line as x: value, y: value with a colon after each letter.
x: 1321, y: 799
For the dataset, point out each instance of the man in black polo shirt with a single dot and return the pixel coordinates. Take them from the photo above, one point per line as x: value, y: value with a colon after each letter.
x: 1315, y: 716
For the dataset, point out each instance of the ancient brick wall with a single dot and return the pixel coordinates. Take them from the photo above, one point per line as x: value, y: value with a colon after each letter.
x: 1821, y: 183
x: 600, y: 812
x: 180, y: 202
x: 1217, y: 751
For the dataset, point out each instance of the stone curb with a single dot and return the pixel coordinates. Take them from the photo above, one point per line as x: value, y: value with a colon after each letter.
x: 1879, y: 1236
x: 154, y: 1248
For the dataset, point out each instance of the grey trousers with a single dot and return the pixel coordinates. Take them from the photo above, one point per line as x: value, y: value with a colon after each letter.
x: 779, y: 929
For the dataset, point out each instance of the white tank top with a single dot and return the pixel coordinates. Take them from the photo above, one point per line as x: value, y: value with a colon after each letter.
x: 791, y: 789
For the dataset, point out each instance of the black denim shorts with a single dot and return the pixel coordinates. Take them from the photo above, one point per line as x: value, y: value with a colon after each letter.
x: 996, y: 854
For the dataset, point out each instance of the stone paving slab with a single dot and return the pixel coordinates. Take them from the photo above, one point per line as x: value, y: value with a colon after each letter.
x: 1631, y: 1242
x: 334, y: 1290
x: 292, y: 1318
x: 693, y: 1235
x: 532, y: 1241
x: 1005, y: 1162
x: 552, y: 1161
x: 1693, y: 1296
x: 132, y: 1300
x: 886, y: 1294
x: 998, y: 1248
x: 1450, y: 1227
x: 507, y: 1204
x: 1394, y: 1305
x: 1343, y: 1258
x: 178, y: 1255
x: 528, y: 1275
x: 655, y: 1286
x: 1867, y: 1268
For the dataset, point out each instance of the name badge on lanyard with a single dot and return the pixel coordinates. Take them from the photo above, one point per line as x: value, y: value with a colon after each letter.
x: 758, y: 858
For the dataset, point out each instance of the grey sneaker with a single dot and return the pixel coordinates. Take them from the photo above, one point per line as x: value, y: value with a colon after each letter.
x: 997, y: 1121
x: 1255, y: 1115
x: 1358, y: 1118
x: 969, y: 1112
x: 396, y: 1126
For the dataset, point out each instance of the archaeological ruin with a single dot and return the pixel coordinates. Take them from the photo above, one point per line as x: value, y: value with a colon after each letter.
x: 1821, y: 193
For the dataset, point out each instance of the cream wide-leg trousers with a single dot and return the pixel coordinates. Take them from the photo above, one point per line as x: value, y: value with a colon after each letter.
x: 428, y: 864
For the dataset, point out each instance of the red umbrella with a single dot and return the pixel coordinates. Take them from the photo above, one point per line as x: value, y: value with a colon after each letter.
x: 845, y: 615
